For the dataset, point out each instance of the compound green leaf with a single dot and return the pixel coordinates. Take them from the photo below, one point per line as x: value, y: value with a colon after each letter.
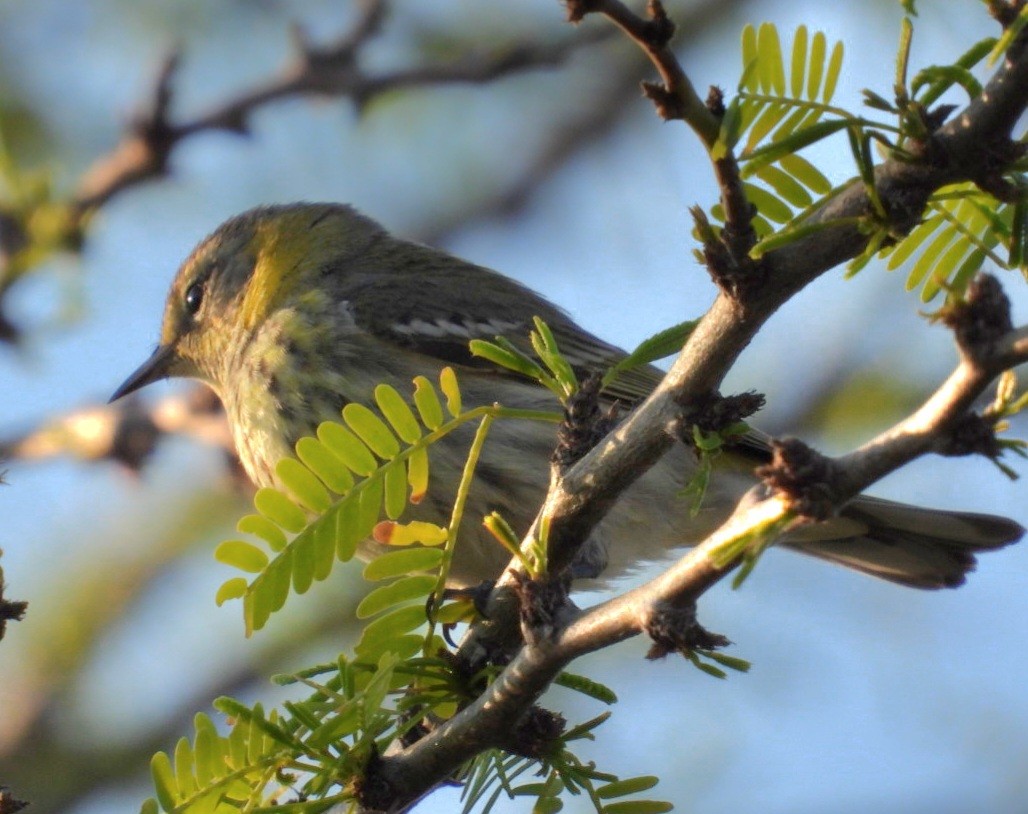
x: 427, y: 401
x: 403, y: 561
x: 303, y: 566
x: 768, y: 205
x: 638, y: 807
x: 926, y: 262
x: 279, y: 509
x: 968, y: 269
x: 348, y: 531
x: 911, y: 242
x: 806, y: 173
x: 262, y: 527
x: 372, y: 430
x: 507, y: 358
x: 398, y: 413
x: 277, y: 579
x: 765, y: 123
x: 630, y: 785
x: 799, y: 61
x: 324, y: 463
x: 389, y: 627
x: 770, y: 153
x: 370, y: 507
x: 750, y: 58
x: 353, y: 452
x: 787, y: 187
x: 415, y: 532
x: 834, y: 69
x: 771, y: 69
x: 234, y: 588
x: 164, y: 783
x: 303, y: 485
x: 324, y: 545
x: 417, y: 475
x: 818, y: 48
x: 395, y: 491
x: 587, y: 686
x: 405, y: 589
x: 185, y: 781
x: 448, y: 384
x: 207, y: 750
x: 242, y: 555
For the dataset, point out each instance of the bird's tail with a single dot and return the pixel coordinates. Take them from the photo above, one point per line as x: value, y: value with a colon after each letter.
x: 922, y: 548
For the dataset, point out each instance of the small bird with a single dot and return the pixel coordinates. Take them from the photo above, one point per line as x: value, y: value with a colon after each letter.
x: 291, y: 312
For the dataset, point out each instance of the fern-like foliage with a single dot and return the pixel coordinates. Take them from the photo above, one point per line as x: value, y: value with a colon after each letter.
x: 964, y: 228
x: 338, y: 486
x: 785, y: 104
x: 777, y: 112
x: 310, y: 756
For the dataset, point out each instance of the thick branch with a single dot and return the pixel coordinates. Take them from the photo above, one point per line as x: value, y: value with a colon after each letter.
x: 486, y: 722
x: 584, y: 495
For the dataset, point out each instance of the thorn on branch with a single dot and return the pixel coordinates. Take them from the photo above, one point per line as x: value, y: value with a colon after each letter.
x: 803, y: 476
x: 659, y: 29
x: 543, y: 604
x: 726, y: 254
x: 979, y: 320
x: 715, y: 101
x: 715, y: 413
x: 973, y: 434
x: 674, y: 629
x: 535, y: 733
x: 584, y: 425
x: 936, y: 117
x: 370, y: 789
x: 668, y: 105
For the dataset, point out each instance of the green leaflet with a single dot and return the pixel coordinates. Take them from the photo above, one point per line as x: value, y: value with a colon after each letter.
x: 279, y: 509
x: 405, y: 589
x: 303, y: 485
x: 242, y: 555
x: 372, y: 430
x: 324, y: 463
x: 339, y: 489
x: 397, y: 413
x: 402, y: 561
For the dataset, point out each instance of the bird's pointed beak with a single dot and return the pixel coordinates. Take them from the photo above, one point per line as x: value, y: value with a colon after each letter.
x: 152, y: 370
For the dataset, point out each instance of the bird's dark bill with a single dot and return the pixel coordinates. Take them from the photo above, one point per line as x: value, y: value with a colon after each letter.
x: 152, y: 370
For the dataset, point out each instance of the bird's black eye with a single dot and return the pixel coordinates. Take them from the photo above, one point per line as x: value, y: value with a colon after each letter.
x: 194, y: 297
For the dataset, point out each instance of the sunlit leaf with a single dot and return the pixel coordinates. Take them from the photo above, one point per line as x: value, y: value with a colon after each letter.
x: 279, y: 509
x: 402, y: 561
x: 242, y: 555
x: 372, y: 430
x: 405, y: 589
x: 397, y: 413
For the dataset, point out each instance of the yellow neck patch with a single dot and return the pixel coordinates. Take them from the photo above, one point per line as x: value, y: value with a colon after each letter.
x: 280, y: 245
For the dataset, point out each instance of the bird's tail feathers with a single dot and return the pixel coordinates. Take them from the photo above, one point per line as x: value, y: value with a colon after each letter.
x: 910, y: 545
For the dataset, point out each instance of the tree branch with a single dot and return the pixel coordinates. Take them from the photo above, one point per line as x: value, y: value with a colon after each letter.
x: 487, y: 722
x: 578, y: 501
